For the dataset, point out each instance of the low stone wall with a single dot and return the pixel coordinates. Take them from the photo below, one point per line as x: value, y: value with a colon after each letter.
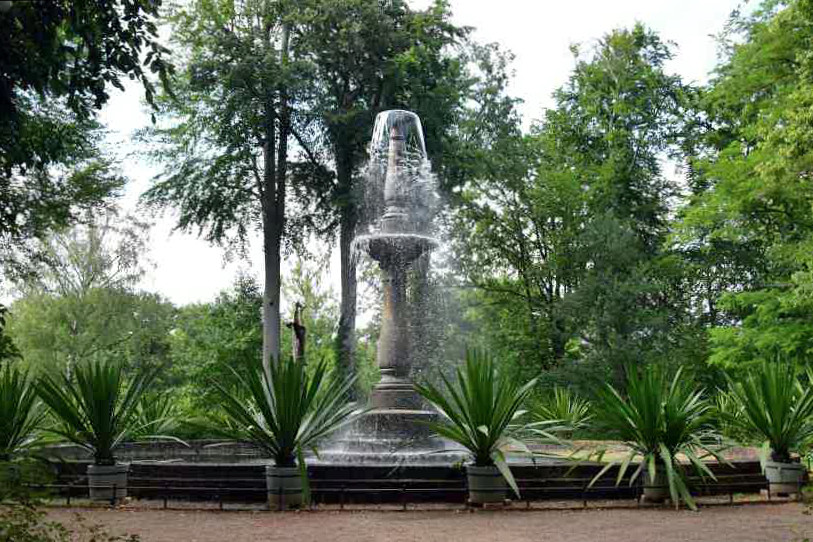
x: 196, y: 451
x: 214, y: 451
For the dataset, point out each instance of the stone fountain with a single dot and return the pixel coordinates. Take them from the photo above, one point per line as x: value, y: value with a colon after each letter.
x: 400, y: 192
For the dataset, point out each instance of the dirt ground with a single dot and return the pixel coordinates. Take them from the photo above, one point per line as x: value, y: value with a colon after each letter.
x: 750, y: 523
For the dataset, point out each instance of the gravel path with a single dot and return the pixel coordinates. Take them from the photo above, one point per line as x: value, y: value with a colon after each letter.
x: 752, y: 523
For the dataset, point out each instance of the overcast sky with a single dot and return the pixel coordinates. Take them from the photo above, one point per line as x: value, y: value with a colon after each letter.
x: 538, y: 32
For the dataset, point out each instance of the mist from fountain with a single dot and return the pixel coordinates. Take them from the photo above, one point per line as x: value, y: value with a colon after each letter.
x: 399, y: 204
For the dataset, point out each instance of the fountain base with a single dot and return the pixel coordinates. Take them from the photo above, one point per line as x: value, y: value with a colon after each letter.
x: 393, y: 436
x: 395, y: 393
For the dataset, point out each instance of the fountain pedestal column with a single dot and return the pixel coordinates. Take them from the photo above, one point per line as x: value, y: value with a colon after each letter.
x: 394, y: 390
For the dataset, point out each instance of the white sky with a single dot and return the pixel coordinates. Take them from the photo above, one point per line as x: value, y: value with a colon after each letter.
x: 538, y: 32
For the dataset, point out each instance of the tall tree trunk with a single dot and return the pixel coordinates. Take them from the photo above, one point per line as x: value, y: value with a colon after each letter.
x: 346, y: 339
x: 346, y: 336
x: 276, y: 161
x: 272, y: 241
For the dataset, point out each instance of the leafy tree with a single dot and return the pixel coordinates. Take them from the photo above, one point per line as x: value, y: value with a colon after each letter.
x: 215, y: 341
x: 616, y: 117
x: 224, y: 136
x: 54, y: 332
x: 106, y: 251
x: 221, y: 339
x: 74, y: 50
x: 46, y: 200
x: 748, y: 226
x: 561, y: 230
x: 83, y: 302
x: 59, y: 56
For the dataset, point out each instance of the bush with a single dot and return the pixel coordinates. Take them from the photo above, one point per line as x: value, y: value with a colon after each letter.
x: 23, y: 522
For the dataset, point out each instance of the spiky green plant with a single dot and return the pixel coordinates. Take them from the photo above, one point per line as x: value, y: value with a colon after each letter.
x: 21, y: 412
x: 775, y: 408
x: 96, y: 408
x: 565, y: 408
x: 659, y: 419
x: 158, y: 415
x: 287, y: 411
x: 727, y: 408
x: 480, y: 411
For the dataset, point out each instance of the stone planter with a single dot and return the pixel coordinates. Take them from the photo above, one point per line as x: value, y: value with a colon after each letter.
x: 284, y: 485
x: 656, y: 490
x: 784, y: 478
x: 102, y: 479
x: 486, y: 484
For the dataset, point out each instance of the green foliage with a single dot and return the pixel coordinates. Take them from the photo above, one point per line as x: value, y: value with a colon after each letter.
x: 561, y: 231
x: 81, y: 300
x: 480, y: 410
x: 566, y: 408
x: 658, y: 419
x: 54, y: 332
x: 23, y: 522
x: 59, y: 56
x: 158, y: 414
x: 305, y: 285
x: 215, y: 341
x: 97, y: 407
x: 8, y: 350
x: 748, y: 225
x: 78, y: 180
x: 773, y: 406
x: 286, y: 410
x: 75, y: 49
x: 21, y: 413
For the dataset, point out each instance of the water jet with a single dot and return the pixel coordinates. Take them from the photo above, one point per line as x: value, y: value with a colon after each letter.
x: 400, y: 196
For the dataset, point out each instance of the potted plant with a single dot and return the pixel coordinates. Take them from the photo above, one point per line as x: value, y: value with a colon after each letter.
x: 97, y: 409
x: 21, y: 417
x: 776, y: 409
x: 658, y: 419
x: 480, y: 410
x: 21, y: 413
x: 285, y: 411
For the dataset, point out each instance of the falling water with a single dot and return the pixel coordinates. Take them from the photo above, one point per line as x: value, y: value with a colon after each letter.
x: 397, y: 231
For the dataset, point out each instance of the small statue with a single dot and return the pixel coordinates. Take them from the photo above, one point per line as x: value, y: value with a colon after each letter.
x: 299, y: 333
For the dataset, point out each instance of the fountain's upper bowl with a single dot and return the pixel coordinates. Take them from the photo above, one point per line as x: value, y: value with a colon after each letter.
x: 395, y: 248
x: 400, y: 192
x: 404, y: 125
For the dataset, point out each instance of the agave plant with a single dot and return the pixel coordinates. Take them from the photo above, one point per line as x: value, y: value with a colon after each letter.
x: 287, y: 411
x: 158, y: 416
x: 774, y: 407
x: 481, y: 409
x: 566, y: 408
x: 659, y: 419
x: 96, y: 408
x: 21, y: 412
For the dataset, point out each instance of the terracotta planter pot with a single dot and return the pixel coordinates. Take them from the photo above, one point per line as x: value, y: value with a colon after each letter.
x: 486, y: 484
x: 784, y: 478
x: 284, y: 485
x: 102, y: 479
